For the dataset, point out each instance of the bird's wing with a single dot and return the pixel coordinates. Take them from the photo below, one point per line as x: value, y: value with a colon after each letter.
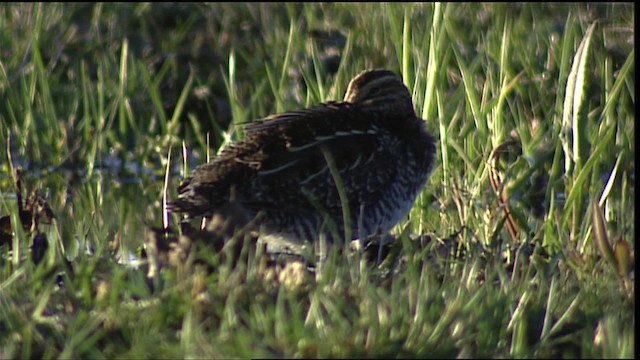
x: 284, y: 160
x: 298, y: 149
x: 320, y: 118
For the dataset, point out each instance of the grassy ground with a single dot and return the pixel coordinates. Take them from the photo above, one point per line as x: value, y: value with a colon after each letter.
x: 533, y: 102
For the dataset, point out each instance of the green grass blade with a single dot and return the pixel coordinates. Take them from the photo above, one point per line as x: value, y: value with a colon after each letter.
x: 623, y: 75
x: 574, y: 114
x: 177, y: 112
x: 579, y: 182
x: 432, y: 65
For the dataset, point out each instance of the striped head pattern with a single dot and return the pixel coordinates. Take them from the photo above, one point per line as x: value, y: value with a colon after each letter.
x: 380, y: 90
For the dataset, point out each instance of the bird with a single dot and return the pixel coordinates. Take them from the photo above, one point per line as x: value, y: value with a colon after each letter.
x: 342, y: 170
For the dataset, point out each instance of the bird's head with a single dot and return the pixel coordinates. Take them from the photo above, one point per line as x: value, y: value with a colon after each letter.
x: 379, y: 90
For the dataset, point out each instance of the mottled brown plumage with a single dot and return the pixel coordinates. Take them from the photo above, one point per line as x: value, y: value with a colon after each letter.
x: 381, y: 151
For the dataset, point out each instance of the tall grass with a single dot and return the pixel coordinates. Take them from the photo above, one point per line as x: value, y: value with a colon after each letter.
x: 521, y: 244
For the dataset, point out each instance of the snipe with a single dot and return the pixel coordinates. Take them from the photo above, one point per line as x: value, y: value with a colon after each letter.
x: 371, y: 144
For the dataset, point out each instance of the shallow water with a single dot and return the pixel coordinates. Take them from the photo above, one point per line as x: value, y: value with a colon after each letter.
x: 111, y: 210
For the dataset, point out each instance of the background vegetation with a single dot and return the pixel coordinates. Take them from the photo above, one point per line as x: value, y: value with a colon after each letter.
x: 521, y: 244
